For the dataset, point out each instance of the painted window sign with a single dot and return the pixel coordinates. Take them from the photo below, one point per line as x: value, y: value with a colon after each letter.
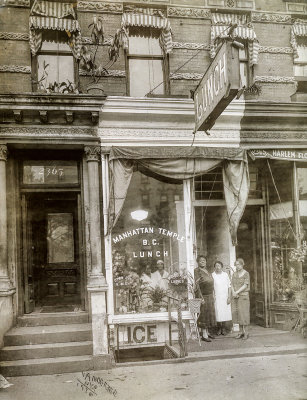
x: 149, y: 247
x: 50, y: 172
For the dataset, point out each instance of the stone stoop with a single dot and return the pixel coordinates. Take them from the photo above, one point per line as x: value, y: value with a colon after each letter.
x: 48, y: 344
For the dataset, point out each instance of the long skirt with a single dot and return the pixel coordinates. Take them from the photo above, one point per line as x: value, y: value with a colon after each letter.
x: 206, y: 317
x: 240, y: 310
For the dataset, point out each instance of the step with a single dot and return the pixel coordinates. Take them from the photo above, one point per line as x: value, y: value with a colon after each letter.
x: 59, y: 318
x: 46, y: 366
x: 20, y: 336
x: 50, y: 350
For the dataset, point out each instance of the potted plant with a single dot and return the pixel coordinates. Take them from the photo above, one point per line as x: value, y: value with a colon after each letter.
x: 157, y: 297
x: 89, y: 61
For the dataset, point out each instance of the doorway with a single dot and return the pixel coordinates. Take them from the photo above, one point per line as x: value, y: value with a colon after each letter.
x: 53, y: 275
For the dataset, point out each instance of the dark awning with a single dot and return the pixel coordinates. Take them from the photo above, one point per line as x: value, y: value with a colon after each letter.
x: 175, y: 152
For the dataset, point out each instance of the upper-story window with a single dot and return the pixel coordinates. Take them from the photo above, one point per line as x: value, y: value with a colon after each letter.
x: 145, y: 62
x: 55, y: 43
x: 55, y: 61
x: 300, y: 63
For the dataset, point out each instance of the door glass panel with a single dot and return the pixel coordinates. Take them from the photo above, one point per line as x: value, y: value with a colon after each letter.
x: 50, y: 172
x: 60, y: 238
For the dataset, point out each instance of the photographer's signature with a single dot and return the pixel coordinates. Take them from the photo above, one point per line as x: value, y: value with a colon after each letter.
x: 90, y: 383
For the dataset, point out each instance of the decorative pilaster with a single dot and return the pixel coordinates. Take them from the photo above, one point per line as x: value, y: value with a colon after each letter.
x: 97, y: 285
x: 5, y: 284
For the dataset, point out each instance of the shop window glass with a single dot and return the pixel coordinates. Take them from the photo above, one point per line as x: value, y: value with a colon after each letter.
x: 145, y: 62
x: 55, y: 61
x: 283, y: 239
x: 300, y: 63
x: 302, y: 255
x: 149, y: 247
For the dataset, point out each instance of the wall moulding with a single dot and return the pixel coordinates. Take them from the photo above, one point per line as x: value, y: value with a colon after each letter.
x: 186, y: 76
x: 275, y: 50
x: 15, y: 3
x: 271, y: 18
x: 97, y: 6
x: 49, y: 132
x: 23, y: 69
x: 113, y: 73
x: 191, y: 46
x: 103, y: 132
x: 14, y: 36
x: 275, y: 79
x: 88, y: 40
x: 188, y: 12
x: 269, y: 135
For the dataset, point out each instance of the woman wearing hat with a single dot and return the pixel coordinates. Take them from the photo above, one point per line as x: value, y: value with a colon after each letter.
x: 204, y: 289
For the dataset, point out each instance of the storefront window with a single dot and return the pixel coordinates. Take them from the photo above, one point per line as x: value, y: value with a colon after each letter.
x: 149, y: 247
x: 286, y: 254
x: 302, y: 190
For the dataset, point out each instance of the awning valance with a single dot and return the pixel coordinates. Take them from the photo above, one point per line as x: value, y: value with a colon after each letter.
x: 180, y: 163
x: 59, y: 24
x: 175, y: 152
x: 147, y: 20
x: 297, y: 29
x: 53, y: 9
x: 50, y: 15
x: 220, y: 27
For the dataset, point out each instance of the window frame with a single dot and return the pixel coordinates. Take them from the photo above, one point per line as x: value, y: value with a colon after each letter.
x: 165, y: 67
x: 34, y: 62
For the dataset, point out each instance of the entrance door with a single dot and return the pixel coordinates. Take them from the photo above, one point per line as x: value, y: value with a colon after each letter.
x: 53, y: 249
x: 251, y: 247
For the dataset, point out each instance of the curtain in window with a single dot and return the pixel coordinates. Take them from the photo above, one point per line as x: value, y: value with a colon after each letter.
x: 147, y: 18
x: 220, y: 28
x: 177, y: 164
x: 298, y: 29
x: 50, y: 15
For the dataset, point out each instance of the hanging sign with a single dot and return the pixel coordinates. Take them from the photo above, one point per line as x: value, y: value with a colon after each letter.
x: 218, y: 87
x: 279, y: 154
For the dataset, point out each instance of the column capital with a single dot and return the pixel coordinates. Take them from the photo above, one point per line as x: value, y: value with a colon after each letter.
x: 92, y: 153
x: 3, y: 152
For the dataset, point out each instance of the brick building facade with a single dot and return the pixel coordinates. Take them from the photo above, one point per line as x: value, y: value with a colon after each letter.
x: 69, y: 240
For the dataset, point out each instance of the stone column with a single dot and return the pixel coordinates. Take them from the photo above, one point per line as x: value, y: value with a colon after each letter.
x: 5, y: 284
x: 97, y: 286
x: 6, y: 288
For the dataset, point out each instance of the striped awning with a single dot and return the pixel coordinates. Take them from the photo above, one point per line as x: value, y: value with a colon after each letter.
x: 297, y: 30
x: 151, y: 21
x: 51, y: 15
x: 53, y: 9
x: 220, y: 27
x: 59, y: 24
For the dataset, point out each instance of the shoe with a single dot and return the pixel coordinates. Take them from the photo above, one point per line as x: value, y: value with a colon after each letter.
x: 223, y: 332
x: 219, y: 332
x: 211, y: 336
x: 239, y: 336
x: 206, y: 339
x: 245, y: 336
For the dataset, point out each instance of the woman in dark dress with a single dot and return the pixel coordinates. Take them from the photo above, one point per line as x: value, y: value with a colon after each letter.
x: 240, y: 284
x: 204, y: 289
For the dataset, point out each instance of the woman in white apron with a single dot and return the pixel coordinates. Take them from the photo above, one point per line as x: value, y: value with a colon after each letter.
x: 222, y: 297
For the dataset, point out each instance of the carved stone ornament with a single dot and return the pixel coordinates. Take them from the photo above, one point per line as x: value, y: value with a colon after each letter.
x: 15, y: 3
x: 22, y: 69
x: 14, y: 36
x: 98, y: 6
x: 3, y: 152
x: 141, y: 133
x: 114, y: 73
x: 272, y: 18
x: 50, y: 132
x: 275, y: 50
x: 191, y: 46
x: 188, y: 12
x: 92, y: 153
x: 186, y: 76
x: 269, y: 135
x: 275, y: 79
x: 88, y: 40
